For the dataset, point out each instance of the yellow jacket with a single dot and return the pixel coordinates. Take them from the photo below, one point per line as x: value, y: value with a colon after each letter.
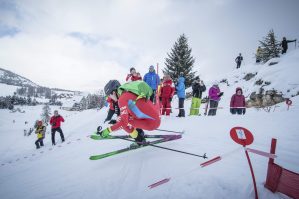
x: 40, y: 131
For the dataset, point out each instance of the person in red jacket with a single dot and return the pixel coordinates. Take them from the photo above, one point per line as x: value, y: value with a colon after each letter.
x: 237, y: 102
x: 113, y: 108
x: 133, y: 76
x: 166, y: 94
x: 55, y: 122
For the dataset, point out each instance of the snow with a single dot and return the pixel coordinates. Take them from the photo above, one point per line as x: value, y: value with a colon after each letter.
x: 7, y: 89
x: 65, y: 171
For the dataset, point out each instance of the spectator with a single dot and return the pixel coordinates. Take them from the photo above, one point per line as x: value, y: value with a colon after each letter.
x: 239, y: 60
x: 198, y: 87
x: 133, y: 76
x: 55, y: 122
x: 167, y: 92
x: 40, y: 131
x: 237, y: 102
x: 258, y: 54
x: 180, y: 89
x: 214, y: 96
x: 284, y: 44
x: 153, y: 80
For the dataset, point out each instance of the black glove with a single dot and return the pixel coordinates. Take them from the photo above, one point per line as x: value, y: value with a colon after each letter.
x: 220, y: 94
x: 244, y: 111
x: 170, y: 99
x: 231, y: 111
x: 112, y: 122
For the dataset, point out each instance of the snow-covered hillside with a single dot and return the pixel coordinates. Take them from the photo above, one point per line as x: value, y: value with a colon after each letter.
x: 65, y: 171
x: 11, y: 78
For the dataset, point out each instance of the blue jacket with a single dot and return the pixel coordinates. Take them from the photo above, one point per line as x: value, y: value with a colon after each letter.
x: 180, y: 88
x: 152, y: 79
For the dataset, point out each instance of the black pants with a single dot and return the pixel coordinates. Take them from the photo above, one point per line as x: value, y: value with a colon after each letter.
x: 39, y: 142
x: 213, y: 107
x: 53, y: 135
x: 181, y: 107
x: 153, y: 96
x: 238, y: 111
x: 284, y: 50
x: 238, y: 64
x: 109, y: 116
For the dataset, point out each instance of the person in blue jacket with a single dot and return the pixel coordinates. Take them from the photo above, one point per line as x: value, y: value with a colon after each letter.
x: 153, y: 80
x: 180, y: 89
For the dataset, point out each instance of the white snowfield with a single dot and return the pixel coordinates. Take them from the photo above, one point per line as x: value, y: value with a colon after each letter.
x: 65, y: 171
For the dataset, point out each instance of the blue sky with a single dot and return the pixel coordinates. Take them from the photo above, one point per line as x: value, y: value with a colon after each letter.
x: 82, y: 44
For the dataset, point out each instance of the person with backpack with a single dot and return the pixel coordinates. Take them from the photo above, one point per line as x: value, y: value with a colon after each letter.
x: 214, y: 98
x: 239, y: 60
x: 153, y: 80
x: 40, y: 132
x: 136, y: 111
x: 55, y: 122
x: 133, y: 76
x: 237, y: 102
x: 284, y: 44
x: 180, y: 89
x: 113, y: 109
x: 198, y: 87
x: 166, y: 94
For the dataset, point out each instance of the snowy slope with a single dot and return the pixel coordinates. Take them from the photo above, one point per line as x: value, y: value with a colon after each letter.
x: 11, y: 78
x: 66, y: 171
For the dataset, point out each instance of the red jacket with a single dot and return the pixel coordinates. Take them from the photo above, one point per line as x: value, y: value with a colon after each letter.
x: 110, y: 101
x: 55, y: 121
x: 132, y: 78
x: 167, y: 89
x: 237, y: 101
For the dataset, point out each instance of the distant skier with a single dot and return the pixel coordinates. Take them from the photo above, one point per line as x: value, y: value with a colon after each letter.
x: 239, y: 60
x: 284, y: 44
x: 40, y: 132
x: 180, y: 89
x: 237, y: 102
x: 136, y: 111
x: 258, y: 55
x: 113, y: 109
x: 133, y: 76
x: 153, y: 80
x: 214, y: 97
x: 198, y: 87
x: 166, y: 94
x: 55, y: 121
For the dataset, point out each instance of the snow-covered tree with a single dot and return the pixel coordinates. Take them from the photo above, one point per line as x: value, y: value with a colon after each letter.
x: 180, y: 60
x: 270, y: 47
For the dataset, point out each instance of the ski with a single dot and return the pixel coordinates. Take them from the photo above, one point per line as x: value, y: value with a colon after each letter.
x: 98, y: 137
x: 101, y: 156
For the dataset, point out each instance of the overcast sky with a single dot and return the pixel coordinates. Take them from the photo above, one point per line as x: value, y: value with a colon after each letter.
x: 81, y: 44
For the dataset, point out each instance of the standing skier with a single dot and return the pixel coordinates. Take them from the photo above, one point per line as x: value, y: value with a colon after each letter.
x: 214, y: 96
x: 284, y: 44
x: 237, y: 102
x: 198, y: 87
x: 40, y: 131
x: 136, y: 111
x: 55, y: 121
x: 239, y: 60
x: 166, y: 94
x: 153, y: 80
x: 180, y: 89
x: 258, y: 55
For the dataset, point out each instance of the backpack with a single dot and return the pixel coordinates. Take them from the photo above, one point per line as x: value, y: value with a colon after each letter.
x: 140, y: 88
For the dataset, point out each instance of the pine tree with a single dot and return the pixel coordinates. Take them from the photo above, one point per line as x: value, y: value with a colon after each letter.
x: 46, y: 114
x: 270, y: 47
x: 180, y: 60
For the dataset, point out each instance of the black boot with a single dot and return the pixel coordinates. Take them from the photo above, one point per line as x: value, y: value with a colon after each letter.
x: 140, y: 139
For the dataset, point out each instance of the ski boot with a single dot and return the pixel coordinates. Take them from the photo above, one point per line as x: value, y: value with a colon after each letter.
x: 139, y: 140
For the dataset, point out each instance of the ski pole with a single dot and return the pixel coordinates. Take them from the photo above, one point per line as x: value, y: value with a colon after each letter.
x: 169, y: 149
x: 170, y: 131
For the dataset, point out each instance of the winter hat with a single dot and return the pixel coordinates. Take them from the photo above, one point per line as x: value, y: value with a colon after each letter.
x: 197, y: 78
x: 151, y: 67
x: 39, y: 123
x: 132, y: 69
x: 239, y: 89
